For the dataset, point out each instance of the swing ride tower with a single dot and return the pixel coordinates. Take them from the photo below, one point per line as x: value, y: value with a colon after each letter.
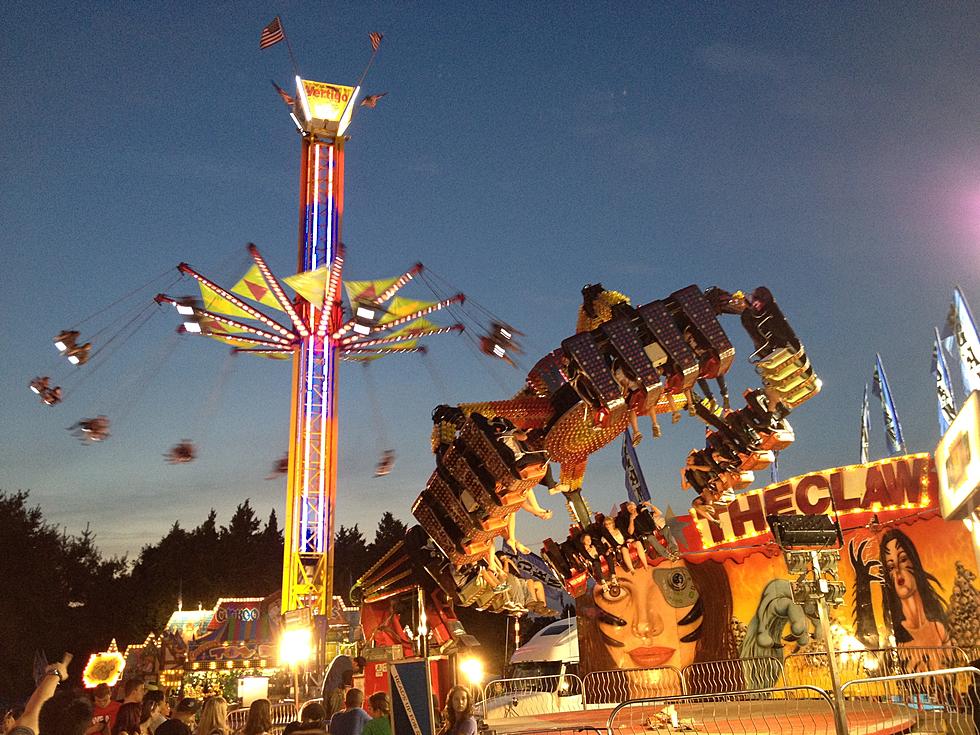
x: 317, y: 338
x: 307, y: 573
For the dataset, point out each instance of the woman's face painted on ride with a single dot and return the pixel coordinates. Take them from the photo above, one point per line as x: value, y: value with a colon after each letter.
x: 658, y: 607
x: 901, y: 572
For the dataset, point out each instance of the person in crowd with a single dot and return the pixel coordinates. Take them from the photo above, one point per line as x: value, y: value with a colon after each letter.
x: 313, y: 717
x: 105, y: 710
x: 128, y: 719
x: 352, y: 719
x: 10, y: 718
x: 380, y: 713
x: 458, y: 719
x: 182, y: 719
x: 155, y: 711
x: 53, y: 713
x: 133, y: 691
x: 259, y: 720
x: 214, y: 717
x: 334, y: 676
x: 335, y: 702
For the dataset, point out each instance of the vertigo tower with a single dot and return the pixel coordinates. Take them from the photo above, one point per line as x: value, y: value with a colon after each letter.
x: 322, y: 113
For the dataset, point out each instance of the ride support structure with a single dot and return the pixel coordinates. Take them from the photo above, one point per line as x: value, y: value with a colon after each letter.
x: 312, y: 476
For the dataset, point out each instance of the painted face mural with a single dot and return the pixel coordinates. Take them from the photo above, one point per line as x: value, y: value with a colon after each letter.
x: 653, y: 618
x: 901, y: 574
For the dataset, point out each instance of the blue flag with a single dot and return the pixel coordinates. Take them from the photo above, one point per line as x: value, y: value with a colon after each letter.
x: 944, y: 387
x: 893, y: 428
x: 534, y: 567
x: 865, y: 428
x: 636, y: 486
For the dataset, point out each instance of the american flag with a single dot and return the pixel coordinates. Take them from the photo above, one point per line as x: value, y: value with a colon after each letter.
x: 372, y: 100
x: 284, y: 94
x: 375, y: 39
x: 271, y: 34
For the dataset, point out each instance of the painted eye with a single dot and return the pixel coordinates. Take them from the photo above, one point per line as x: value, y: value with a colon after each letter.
x: 614, y: 594
x: 679, y: 581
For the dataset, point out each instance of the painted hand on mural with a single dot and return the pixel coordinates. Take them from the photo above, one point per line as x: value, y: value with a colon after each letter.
x: 776, y: 610
x: 866, y: 571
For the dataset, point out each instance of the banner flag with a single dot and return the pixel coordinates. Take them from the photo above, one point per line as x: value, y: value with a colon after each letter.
x: 636, y: 486
x: 865, y: 428
x: 893, y: 427
x: 254, y: 286
x: 965, y: 332
x: 399, y: 307
x: 944, y: 387
x: 311, y: 285
x: 213, y: 301
x: 361, y: 291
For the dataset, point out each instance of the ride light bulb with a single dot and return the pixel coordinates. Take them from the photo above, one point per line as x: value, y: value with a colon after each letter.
x: 184, y: 309
x: 362, y: 329
x: 60, y: 346
x: 73, y: 360
x: 193, y: 327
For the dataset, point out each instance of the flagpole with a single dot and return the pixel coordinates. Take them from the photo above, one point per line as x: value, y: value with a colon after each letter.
x: 289, y: 48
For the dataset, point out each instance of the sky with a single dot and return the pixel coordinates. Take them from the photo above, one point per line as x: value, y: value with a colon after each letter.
x: 828, y: 151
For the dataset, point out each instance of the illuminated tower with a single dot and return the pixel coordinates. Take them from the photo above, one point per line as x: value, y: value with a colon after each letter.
x: 322, y: 113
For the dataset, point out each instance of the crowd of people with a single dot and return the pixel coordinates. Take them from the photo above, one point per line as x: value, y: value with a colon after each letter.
x: 57, y: 708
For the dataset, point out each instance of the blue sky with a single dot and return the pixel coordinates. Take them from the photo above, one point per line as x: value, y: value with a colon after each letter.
x: 830, y: 152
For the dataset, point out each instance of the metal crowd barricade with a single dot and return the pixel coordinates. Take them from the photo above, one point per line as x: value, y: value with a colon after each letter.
x: 531, y: 696
x: 732, y: 675
x: 613, y: 687
x: 776, y: 710
x: 812, y: 668
x: 934, y: 701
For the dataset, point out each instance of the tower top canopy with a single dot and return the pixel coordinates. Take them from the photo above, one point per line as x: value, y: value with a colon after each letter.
x: 324, y: 109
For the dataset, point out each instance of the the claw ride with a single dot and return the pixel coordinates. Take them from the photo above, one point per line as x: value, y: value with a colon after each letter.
x: 622, y: 362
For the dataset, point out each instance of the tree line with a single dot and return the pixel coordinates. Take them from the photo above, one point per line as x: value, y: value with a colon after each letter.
x: 61, y: 593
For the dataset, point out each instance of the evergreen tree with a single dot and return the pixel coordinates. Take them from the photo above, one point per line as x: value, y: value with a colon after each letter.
x: 390, y: 531
x: 350, y: 559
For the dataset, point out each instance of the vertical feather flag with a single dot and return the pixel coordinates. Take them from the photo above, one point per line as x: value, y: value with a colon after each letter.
x: 965, y: 332
x: 636, y: 486
x: 944, y: 387
x: 893, y: 427
x: 865, y: 427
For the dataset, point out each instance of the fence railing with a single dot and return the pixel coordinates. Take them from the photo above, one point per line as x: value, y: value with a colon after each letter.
x: 531, y: 696
x: 732, y: 675
x: 612, y: 687
x: 774, y: 710
x: 812, y: 668
x: 939, y: 701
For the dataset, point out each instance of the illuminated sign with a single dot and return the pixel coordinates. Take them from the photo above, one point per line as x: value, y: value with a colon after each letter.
x: 104, y: 668
x: 958, y: 462
x: 326, y: 107
x: 890, y: 484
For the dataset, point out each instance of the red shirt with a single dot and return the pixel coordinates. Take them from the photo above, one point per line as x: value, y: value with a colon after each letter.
x: 105, y: 714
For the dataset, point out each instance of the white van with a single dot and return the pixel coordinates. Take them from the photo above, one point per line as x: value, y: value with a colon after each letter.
x: 540, y: 677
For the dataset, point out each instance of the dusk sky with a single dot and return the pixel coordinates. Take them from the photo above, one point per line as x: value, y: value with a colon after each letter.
x: 828, y: 151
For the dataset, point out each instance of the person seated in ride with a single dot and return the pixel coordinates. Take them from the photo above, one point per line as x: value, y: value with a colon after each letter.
x: 385, y: 463
x: 523, y: 594
x: 51, y: 396
x: 649, y: 514
x: 696, y: 472
x: 589, y: 557
x: 639, y: 523
x: 704, y: 509
x: 39, y: 385
x: 65, y: 339
x: 79, y: 354
x: 766, y: 325
x: 623, y: 546
x: 446, y: 421
x: 630, y: 387
x: 722, y: 386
